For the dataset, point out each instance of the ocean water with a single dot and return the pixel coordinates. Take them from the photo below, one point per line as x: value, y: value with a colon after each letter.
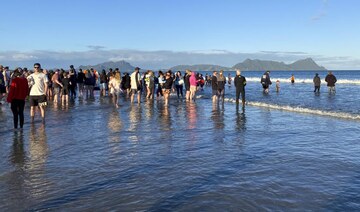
x: 292, y: 150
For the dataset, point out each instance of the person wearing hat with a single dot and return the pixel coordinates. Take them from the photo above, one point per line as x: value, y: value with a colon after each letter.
x: 317, y: 83
x: 18, y: 92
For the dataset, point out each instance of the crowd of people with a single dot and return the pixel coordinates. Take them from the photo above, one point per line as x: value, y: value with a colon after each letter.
x: 62, y: 86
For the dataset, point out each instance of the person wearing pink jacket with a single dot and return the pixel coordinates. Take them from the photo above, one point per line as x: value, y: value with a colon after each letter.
x: 193, y: 85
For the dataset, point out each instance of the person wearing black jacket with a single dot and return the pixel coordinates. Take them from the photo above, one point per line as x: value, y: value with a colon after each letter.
x: 187, y: 84
x: 331, y: 80
x: 167, y: 86
x: 221, y: 82
x: 214, y: 86
x: 240, y: 83
x: 265, y: 81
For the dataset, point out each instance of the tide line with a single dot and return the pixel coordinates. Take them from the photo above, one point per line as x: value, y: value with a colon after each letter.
x: 288, y: 108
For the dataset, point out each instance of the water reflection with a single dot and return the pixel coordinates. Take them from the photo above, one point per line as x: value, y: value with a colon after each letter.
x: 18, y: 155
x: 240, y: 118
x: 114, y: 123
x: 217, y: 116
x: 38, y: 154
x: 149, y: 110
x: 164, y: 118
x: 15, y: 183
x: 134, y: 117
x: 191, y: 112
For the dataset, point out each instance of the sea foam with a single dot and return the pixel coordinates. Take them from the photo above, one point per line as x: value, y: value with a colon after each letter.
x: 289, y: 108
x: 300, y: 80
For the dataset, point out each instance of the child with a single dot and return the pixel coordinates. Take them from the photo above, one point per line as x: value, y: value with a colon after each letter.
x: 277, y: 85
x: 65, y: 89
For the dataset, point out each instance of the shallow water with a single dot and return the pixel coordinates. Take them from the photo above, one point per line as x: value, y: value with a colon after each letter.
x: 187, y: 156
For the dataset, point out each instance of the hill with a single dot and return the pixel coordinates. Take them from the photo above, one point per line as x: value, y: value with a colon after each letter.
x: 202, y: 67
x: 259, y: 65
x: 122, y: 65
x: 246, y: 65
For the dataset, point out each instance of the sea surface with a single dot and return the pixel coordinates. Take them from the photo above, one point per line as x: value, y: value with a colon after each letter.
x: 291, y: 150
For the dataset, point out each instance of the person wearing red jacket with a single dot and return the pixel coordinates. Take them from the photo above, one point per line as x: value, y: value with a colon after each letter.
x: 19, y: 89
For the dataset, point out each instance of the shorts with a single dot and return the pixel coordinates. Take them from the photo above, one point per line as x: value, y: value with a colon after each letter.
x: 221, y: 92
x: 167, y: 91
x: 56, y: 90
x: 38, y: 100
x: 265, y: 86
x: 135, y: 91
x: 64, y: 91
x: 193, y: 88
x: 214, y: 92
x: 2, y: 89
x: 103, y: 86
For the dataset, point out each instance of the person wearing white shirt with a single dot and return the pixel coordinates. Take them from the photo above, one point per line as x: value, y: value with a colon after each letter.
x: 38, y: 83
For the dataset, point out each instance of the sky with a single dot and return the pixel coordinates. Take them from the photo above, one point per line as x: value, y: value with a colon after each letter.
x: 165, y: 33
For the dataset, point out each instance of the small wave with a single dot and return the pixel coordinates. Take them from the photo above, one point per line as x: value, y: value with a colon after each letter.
x: 334, y: 114
x: 300, y: 80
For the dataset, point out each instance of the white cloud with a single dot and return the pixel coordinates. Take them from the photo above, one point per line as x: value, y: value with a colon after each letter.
x: 322, y: 11
x: 22, y: 56
x: 211, y: 51
x: 96, y: 47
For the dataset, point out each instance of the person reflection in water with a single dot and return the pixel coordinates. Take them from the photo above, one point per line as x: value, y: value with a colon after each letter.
x: 240, y: 118
x: 38, y: 154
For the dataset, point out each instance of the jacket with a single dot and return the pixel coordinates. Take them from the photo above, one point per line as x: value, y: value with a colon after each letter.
x: 19, y: 89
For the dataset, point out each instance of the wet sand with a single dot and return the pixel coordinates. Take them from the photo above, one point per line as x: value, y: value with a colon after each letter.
x: 187, y: 156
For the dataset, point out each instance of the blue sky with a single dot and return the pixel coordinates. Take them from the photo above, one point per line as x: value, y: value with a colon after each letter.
x: 282, y: 30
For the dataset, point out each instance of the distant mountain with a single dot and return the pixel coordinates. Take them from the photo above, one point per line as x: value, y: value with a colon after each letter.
x: 122, y: 65
x: 306, y: 64
x: 246, y: 65
x: 202, y: 67
x: 259, y: 65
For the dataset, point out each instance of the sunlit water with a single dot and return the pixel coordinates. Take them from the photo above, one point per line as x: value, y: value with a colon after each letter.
x: 187, y: 156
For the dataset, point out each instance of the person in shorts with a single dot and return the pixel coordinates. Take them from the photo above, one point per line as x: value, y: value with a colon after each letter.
x: 136, y: 85
x: 38, y: 81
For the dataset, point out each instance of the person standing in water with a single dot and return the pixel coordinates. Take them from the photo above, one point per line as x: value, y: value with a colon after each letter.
x: 240, y: 83
x: 214, y: 86
x: 221, y: 82
x: 114, y: 86
x: 136, y: 85
x: 193, y: 85
x: 292, y: 78
x: 187, y: 84
x: 317, y: 82
x: 38, y: 92
x: 229, y: 80
x: 65, y: 90
x: 331, y: 80
x: 167, y: 86
x: 277, y: 86
x: 19, y: 89
x: 265, y: 81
